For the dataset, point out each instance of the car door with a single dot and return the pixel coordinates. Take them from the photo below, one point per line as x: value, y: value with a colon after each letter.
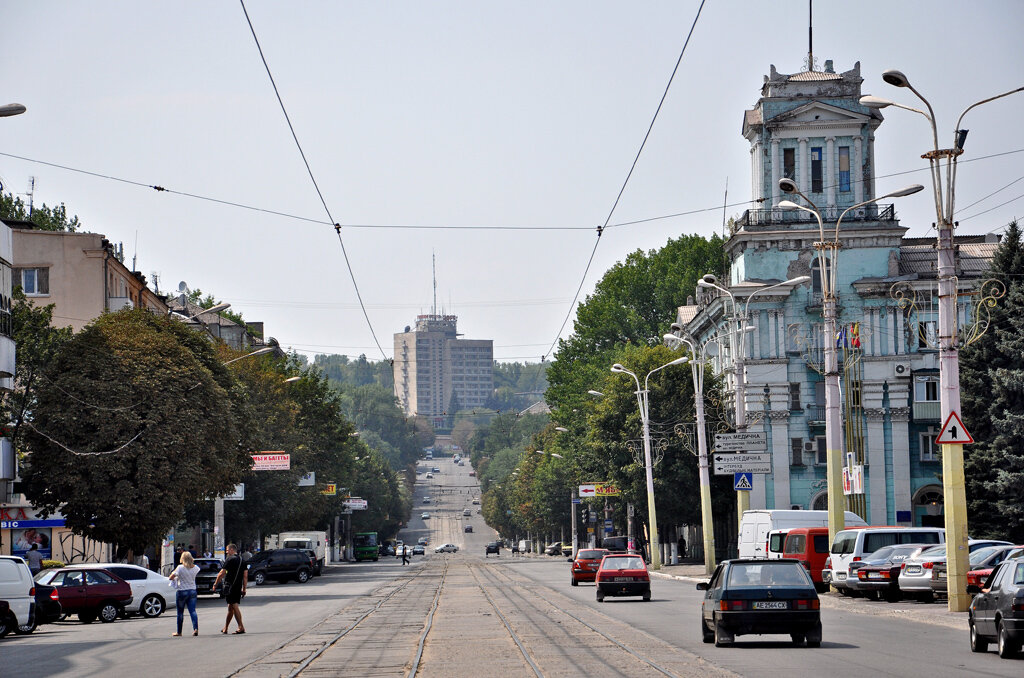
x: 101, y: 586
x: 136, y: 580
x: 711, y: 596
x: 72, y: 592
x: 984, y: 611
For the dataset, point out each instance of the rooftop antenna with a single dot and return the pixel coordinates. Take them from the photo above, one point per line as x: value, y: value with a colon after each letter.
x: 135, y: 251
x: 810, y: 35
x: 725, y: 202
x: 433, y: 260
x: 31, y: 195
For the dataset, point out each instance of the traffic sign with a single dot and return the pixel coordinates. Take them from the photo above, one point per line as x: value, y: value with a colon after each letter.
x: 730, y: 463
x: 743, y: 441
x: 575, y: 500
x: 743, y: 482
x: 588, y: 491
x: 608, y: 529
x: 953, y: 432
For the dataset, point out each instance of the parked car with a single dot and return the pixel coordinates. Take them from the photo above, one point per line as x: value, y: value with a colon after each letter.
x: 878, y: 573
x: 997, y: 612
x: 314, y: 562
x: 567, y: 550
x: 760, y: 597
x: 282, y: 565
x: 776, y: 543
x: 418, y: 550
x: 18, y: 590
x: 916, y: 573
x: 430, y: 475
x: 981, y: 564
x: 446, y: 548
x: 436, y: 469
x: 757, y: 523
x: 584, y: 568
x: 426, y: 500
x: 492, y: 547
x: 850, y: 546
x: 554, y: 549
x: 89, y: 592
x: 467, y: 529
x: 476, y: 501
x: 48, y: 609
x: 466, y: 513
x: 809, y: 545
x: 208, y: 570
x: 472, y: 474
x: 151, y: 592
x: 622, y: 575
x: 422, y: 541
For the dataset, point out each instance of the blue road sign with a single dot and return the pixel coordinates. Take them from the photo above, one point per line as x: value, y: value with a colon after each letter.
x: 575, y: 500
x: 608, y: 529
x: 743, y: 481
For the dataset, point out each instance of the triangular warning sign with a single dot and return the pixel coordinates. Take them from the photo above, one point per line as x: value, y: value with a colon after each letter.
x: 953, y: 432
x: 743, y: 482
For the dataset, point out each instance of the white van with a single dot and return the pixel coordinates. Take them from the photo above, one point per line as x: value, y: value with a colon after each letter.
x: 19, y: 590
x: 776, y: 542
x: 756, y: 524
x: 850, y: 546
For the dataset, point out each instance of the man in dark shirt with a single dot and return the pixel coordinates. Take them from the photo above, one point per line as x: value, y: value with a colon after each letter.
x: 236, y: 578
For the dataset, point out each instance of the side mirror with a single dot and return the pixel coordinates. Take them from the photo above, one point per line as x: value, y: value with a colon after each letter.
x: 973, y: 589
x: 702, y: 586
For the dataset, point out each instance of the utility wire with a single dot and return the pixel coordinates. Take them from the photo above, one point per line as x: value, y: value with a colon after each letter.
x: 625, y: 183
x: 309, y: 170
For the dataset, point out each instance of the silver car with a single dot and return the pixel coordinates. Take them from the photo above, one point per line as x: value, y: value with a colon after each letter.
x: 916, y: 573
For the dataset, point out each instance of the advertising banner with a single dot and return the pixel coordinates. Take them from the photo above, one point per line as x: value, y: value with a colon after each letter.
x: 271, y: 461
x: 23, y: 539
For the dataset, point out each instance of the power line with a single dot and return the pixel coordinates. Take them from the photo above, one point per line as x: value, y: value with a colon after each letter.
x: 309, y: 170
x: 625, y: 183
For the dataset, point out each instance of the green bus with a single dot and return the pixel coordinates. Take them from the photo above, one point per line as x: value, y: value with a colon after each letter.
x: 364, y: 546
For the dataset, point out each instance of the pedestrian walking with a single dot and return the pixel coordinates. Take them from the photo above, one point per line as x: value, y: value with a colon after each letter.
x: 184, y: 578
x: 682, y: 547
x: 405, y: 555
x: 34, y: 559
x: 236, y: 579
x: 177, y: 556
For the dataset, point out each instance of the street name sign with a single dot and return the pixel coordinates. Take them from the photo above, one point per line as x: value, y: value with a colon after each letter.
x: 953, y: 432
x: 588, y: 491
x: 575, y: 500
x: 355, y: 503
x: 754, y: 462
x: 271, y: 461
x: 237, y: 495
x: 744, y: 441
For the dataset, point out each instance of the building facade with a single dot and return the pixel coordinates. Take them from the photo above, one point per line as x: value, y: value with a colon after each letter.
x: 810, y: 127
x: 437, y: 373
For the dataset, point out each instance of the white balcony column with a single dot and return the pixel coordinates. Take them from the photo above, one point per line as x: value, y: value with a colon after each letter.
x: 890, y: 316
x: 830, y: 171
x: 899, y: 417
x: 803, y: 166
x: 776, y: 172
x: 876, y: 331
x: 858, y: 169
x: 781, y: 454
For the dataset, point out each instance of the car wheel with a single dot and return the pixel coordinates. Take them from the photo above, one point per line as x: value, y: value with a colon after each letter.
x: 722, y: 636
x: 87, y: 617
x: 375, y: 560
x: 871, y: 595
x: 892, y: 596
x: 7, y: 624
x: 600, y: 596
x: 303, y: 576
x: 260, y: 578
x: 152, y: 606
x: 814, y: 636
x: 978, y: 644
x: 574, y: 582
x: 798, y: 638
x: 108, y: 612
x: 706, y: 634
x: 25, y: 629
x: 928, y: 597
x: 647, y: 595
x: 1007, y: 648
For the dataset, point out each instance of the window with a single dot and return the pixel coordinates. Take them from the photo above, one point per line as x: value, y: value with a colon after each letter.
x: 822, y: 450
x: 816, y: 174
x: 796, y: 544
x: 927, y: 333
x: 817, y: 285
x: 926, y: 389
x: 794, y: 395
x: 789, y: 163
x: 929, y: 450
x: 796, y: 446
x: 33, y: 281
x: 95, y: 577
x: 844, y: 168
x: 794, y: 336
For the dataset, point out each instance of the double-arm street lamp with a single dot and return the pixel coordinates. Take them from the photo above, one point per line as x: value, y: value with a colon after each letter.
x: 643, y: 401
x: 953, y: 482
x: 828, y: 252
x: 738, y: 329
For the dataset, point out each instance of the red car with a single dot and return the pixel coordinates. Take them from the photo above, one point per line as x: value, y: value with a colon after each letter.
x: 89, y: 593
x: 623, y: 574
x: 584, y: 568
x: 979, y: 576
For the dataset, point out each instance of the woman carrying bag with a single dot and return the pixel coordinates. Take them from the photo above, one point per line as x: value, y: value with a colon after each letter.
x: 184, y: 578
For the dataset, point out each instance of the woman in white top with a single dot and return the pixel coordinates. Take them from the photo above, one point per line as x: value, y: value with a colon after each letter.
x: 184, y: 576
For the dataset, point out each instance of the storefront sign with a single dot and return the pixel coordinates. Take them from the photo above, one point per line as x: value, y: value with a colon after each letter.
x: 271, y: 461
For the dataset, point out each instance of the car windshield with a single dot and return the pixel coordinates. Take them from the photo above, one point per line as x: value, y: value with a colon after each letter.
x: 748, y: 575
x: 365, y: 540
x: 933, y: 552
x: 591, y: 554
x: 881, y: 554
x: 208, y: 565
x: 844, y: 543
x: 630, y: 563
x: 982, y: 554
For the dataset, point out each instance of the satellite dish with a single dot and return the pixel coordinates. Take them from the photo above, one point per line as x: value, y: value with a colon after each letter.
x: 183, y: 288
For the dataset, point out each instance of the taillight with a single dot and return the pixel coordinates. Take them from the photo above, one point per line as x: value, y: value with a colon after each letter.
x: 928, y: 565
x: 855, y: 559
x: 861, y: 574
x: 828, y: 563
x: 32, y: 592
x: 53, y: 595
x: 1018, y: 605
x: 806, y: 604
x: 903, y: 565
x: 732, y: 605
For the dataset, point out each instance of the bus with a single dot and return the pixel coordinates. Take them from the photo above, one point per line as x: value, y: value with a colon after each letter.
x: 364, y: 546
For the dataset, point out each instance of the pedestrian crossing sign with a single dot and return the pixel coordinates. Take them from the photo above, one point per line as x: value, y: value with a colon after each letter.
x: 743, y: 482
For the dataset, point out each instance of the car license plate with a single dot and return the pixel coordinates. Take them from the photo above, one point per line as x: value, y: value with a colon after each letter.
x: 623, y: 579
x: 940, y: 575
x: 840, y: 576
x: 874, y: 575
x: 913, y: 569
x: 771, y: 605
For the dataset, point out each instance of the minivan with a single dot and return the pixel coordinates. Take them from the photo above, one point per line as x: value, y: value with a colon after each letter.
x: 850, y: 546
x: 17, y: 588
x: 756, y: 524
x: 809, y: 545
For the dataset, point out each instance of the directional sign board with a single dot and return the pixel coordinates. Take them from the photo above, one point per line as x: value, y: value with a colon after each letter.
x: 587, y: 491
x: 756, y: 462
x: 745, y: 441
x: 575, y: 500
x: 355, y: 504
x: 953, y: 432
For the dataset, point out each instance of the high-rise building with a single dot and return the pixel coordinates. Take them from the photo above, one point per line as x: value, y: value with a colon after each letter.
x: 437, y: 373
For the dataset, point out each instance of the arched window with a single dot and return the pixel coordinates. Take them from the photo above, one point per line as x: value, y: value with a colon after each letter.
x: 820, y: 502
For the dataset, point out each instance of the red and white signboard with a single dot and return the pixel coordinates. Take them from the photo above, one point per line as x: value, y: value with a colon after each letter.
x: 587, y: 491
x: 271, y: 461
x: 953, y: 432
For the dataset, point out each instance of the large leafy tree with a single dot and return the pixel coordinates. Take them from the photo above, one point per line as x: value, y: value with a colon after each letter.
x: 131, y: 422
x: 45, y: 218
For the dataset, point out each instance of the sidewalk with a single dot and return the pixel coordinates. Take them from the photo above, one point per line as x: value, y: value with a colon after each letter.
x: 927, y: 613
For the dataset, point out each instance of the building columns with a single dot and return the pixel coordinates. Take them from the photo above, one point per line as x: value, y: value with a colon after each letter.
x: 877, y: 507
x: 776, y: 172
x: 803, y: 167
x: 780, y: 454
x: 830, y: 171
x: 858, y: 178
x: 899, y: 417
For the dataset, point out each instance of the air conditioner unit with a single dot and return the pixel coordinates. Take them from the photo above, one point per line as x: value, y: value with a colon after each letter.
x: 809, y: 446
x: 901, y: 369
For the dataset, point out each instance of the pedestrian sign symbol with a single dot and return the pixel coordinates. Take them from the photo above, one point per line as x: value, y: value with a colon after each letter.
x: 743, y: 482
x: 953, y: 432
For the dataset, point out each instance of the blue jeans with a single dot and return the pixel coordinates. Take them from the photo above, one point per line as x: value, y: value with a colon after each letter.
x: 181, y: 600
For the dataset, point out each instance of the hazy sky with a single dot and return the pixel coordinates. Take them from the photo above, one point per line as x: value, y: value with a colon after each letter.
x: 458, y: 114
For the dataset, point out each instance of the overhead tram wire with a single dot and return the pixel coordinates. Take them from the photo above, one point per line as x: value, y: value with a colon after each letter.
x: 337, y: 226
x: 625, y: 183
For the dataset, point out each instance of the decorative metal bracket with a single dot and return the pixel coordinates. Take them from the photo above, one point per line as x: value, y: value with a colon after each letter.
x: 985, y: 297
x: 658, y: 446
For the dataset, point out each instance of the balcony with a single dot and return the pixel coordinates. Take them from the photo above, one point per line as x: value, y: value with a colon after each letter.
x: 773, y: 218
x: 924, y: 411
x: 815, y: 414
x: 115, y: 304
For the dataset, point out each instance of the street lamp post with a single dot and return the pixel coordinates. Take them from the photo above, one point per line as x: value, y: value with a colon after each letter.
x: 643, y: 401
x: 828, y: 252
x: 737, y: 341
x: 953, y: 482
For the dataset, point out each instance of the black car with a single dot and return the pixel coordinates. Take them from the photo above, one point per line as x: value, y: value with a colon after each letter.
x: 48, y: 609
x: 879, y: 573
x: 313, y: 561
x: 207, y: 575
x: 282, y: 565
x: 760, y: 597
x: 469, y: 528
x: 997, y: 611
x: 492, y: 547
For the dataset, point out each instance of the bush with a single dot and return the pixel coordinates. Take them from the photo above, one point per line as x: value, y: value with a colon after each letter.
x: 47, y: 564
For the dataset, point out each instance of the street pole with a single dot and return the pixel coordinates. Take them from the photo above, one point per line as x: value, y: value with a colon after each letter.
x: 572, y: 512
x: 218, y: 528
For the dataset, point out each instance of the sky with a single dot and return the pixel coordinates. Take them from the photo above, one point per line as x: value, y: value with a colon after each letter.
x: 460, y: 114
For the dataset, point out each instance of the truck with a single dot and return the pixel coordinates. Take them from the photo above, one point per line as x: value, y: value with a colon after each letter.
x: 310, y: 541
x: 365, y: 546
x: 755, y: 526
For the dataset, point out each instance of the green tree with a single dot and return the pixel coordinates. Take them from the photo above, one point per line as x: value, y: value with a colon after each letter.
x: 45, y: 218
x: 132, y: 422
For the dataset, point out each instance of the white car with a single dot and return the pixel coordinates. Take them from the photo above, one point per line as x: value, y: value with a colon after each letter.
x: 425, y: 516
x: 916, y: 571
x: 446, y: 548
x: 152, y: 593
x: 17, y: 589
x: 430, y: 475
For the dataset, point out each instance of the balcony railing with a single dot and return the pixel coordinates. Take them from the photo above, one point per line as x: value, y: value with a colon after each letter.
x: 815, y: 413
x: 774, y: 217
x: 927, y: 410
